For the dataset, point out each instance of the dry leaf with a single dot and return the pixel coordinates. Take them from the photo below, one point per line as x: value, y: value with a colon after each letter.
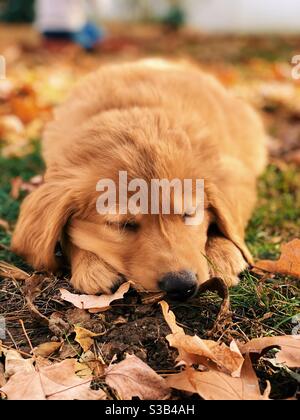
x: 15, y: 363
x: 11, y: 272
x: 289, y: 345
x: 16, y: 184
x: 2, y: 377
x: 214, y: 385
x: 193, y: 350
x: 55, y: 382
x: 4, y: 225
x: 46, y: 349
x: 289, y: 262
x: 68, y: 351
x: 133, y: 378
x: 94, y: 303
x: 77, y: 316
x: 58, y: 325
x: 84, y: 337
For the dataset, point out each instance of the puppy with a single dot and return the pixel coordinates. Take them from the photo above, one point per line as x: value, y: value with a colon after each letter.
x: 153, y: 119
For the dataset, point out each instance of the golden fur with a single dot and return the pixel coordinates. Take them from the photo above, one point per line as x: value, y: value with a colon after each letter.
x: 153, y: 119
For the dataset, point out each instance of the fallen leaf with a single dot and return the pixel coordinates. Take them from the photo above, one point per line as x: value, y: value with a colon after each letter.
x: 214, y: 385
x: 94, y: 303
x: 46, y: 349
x: 192, y: 350
x: 289, y: 345
x: 14, y: 363
x: 84, y: 337
x: 289, y: 262
x: 68, y: 351
x: 58, y: 326
x: 4, y: 225
x: 224, y: 317
x: 133, y: 378
x: 2, y: 377
x: 32, y: 289
x: 11, y: 272
x: 95, y: 363
x: 16, y: 184
x: 77, y: 316
x: 55, y: 382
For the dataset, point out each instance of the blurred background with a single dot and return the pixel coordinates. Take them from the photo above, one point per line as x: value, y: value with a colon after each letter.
x: 251, y: 46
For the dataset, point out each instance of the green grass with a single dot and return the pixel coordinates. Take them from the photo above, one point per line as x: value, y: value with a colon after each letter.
x: 26, y: 168
x: 261, y: 307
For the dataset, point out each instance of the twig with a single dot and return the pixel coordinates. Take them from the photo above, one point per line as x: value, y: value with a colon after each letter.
x: 12, y: 338
x: 26, y: 335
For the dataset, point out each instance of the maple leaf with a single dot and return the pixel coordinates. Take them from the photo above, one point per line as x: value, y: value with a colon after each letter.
x: 289, y: 345
x: 194, y: 350
x: 215, y: 385
x: 54, y: 382
x: 133, y: 378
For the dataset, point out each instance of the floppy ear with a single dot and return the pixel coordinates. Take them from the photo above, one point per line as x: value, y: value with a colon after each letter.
x: 229, y: 219
x: 43, y: 216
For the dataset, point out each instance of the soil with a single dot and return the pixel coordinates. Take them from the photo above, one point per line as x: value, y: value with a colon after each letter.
x: 129, y: 327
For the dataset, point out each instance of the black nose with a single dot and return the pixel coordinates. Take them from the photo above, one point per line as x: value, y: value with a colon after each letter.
x: 179, y: 285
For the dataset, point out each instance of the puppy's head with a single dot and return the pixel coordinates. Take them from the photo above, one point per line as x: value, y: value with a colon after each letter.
x: 155, y: 251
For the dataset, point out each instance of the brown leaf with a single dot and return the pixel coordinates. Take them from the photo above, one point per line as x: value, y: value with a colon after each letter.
x: 214, y: 385
x: 224, y: 317
x: 2, y: 377
x: 289, y: 262
x: 77, y: 316
x: 133, y: 378
x: 289, y: 345
x: 16, y: 184
x: 193, y: 350
x: 11, y: 272
x: 4, y: 225
x: 46, y: 349
x: 94, y: 303
x: 54, y: 382
x: 84, y: 337
x: 14, y: 363
x: 58, y: 326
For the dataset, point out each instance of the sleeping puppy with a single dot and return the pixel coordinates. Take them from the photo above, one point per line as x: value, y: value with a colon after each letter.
x: 152, y: 119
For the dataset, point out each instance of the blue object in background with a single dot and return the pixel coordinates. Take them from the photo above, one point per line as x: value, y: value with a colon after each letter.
x: 89, y: 36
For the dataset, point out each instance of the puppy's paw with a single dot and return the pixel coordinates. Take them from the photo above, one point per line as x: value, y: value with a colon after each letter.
x: 225, y: 259
x: 90, y: 275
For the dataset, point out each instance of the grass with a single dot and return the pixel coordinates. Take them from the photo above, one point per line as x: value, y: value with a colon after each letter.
x: 261, y: 307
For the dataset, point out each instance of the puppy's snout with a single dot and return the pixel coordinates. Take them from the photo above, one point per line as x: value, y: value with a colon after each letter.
x: 179, y: 285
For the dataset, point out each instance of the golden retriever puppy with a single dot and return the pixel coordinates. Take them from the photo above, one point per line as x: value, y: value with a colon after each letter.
x: 151, y: 119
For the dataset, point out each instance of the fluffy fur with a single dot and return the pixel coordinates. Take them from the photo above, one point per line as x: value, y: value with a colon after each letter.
x: 153, y: 119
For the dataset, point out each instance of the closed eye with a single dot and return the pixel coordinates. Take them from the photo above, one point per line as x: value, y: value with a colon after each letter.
x: 128, y: 226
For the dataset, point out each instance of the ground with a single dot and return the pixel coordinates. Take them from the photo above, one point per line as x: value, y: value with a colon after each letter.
x: 256, y: 68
